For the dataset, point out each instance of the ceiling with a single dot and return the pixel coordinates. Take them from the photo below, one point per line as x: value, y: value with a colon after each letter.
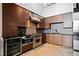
x: 47, y: 4
x: 48, y: 9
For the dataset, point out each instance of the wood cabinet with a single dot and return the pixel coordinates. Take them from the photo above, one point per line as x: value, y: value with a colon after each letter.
x: 54, y: 19
x: 9, y: 20
x: 43, y: 38
x: 42, y: 24
x: 27, y: 47
x: 23, y: 17
x: 13, y: 16
x: 54, y: 39
x: 47, y: 24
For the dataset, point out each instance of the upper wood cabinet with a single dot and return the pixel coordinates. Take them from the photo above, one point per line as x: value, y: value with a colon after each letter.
x: 54, y: 19
x: 42, y: 24
x: 47, y: 24
x: 24, y: 17
x: 13, y: 16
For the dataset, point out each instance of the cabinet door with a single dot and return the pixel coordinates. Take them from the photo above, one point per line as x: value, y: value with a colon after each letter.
x: 57, y: 18
x: 67, y: 40
x: 24, y: 17
x: 67, y: 19
x: 54, y: 19
x: 10, y: 30
x: 54, y: 39
x: 25, y: 48
x: 47, y: 25
x: 47, y: 22
x: 43, y: 38
x: 10, y: 19
x: 42, y: 24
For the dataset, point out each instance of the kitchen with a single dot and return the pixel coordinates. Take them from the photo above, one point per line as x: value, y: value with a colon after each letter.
x: 38, y: 29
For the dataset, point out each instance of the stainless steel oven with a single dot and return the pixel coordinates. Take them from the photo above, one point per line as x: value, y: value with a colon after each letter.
x: 37, y: 41
x: 12, y: 46
x: 76, y: 29
x: 26, y: 39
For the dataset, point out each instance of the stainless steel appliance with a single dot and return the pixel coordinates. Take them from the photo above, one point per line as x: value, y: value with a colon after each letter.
x: 76, y: 31
x: 26, y: 39
x: 21, y: 31
x: 37, y: 41
x: 76, y: 7
x: 12, y: 46
x: 76, y: 42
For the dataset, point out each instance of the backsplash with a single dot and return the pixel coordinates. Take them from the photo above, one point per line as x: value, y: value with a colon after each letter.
x: 30, y: 31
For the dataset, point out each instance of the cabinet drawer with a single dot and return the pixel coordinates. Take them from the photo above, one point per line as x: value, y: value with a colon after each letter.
x: 25, y: 48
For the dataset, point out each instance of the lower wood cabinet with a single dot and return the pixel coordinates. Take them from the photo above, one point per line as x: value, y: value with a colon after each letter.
x: 27, y: 47
x: 54, y: 39
x: 43, y: 38
x: 60, y: 39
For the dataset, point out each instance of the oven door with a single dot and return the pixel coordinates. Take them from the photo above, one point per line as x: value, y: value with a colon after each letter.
x: 12, y: 46
x: 37, y: 42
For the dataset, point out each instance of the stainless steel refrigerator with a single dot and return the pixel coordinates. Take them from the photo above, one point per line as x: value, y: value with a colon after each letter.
x: 76, y: 31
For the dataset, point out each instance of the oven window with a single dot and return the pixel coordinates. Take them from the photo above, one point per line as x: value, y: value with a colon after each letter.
x: 37, y: 40
x: 12, y: 46
x: 21, y: 31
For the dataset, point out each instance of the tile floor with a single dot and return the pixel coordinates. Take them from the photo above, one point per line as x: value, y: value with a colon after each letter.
x: 51, y: 50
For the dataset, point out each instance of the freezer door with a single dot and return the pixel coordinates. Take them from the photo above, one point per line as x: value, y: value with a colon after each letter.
x: 76, y: 22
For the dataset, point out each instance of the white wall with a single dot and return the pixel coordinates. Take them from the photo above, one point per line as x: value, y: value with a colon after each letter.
x: 58, y: 8
x: 35, y: 7
x: 1, y: 40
